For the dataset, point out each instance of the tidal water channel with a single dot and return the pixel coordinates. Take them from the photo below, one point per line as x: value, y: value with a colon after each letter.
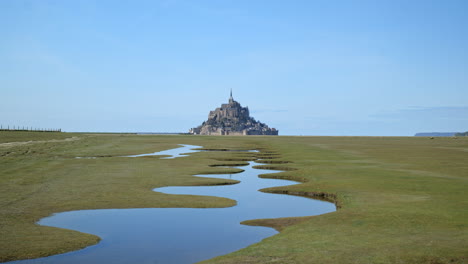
x: 183, y: 235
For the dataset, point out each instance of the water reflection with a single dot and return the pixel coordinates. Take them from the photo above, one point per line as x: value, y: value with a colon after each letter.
x: 172, y: 153
x: 183, y: 235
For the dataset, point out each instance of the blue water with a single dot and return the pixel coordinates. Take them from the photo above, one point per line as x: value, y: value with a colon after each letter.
x: 183, y: 235
x: 172, y: 153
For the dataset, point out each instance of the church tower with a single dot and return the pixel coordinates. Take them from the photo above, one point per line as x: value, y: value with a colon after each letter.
x: 230, y: 98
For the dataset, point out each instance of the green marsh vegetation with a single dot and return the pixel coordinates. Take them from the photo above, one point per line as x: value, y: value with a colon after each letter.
x: 402, y: 200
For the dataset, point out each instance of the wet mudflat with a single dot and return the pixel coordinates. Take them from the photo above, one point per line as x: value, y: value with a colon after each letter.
x: 183, y: 235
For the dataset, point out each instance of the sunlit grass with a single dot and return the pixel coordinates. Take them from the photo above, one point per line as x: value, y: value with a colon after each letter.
x: 402, y: 200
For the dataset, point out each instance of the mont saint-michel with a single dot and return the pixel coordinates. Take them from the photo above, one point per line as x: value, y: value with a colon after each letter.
x: 232, y: 119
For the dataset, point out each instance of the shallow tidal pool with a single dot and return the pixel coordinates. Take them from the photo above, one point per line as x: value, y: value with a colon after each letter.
x: 183, y: 235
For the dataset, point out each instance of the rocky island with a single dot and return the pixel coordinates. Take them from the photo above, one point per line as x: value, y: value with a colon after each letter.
x: 232, y: 119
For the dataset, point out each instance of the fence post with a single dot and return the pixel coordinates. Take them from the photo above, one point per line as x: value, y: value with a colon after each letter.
x: 28, y: 128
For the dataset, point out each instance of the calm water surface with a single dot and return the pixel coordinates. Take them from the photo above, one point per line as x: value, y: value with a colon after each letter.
x: 183, y: 235
x: 172, y: 153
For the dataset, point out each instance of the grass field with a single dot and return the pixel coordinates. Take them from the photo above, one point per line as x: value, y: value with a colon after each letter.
x: 402, y: 200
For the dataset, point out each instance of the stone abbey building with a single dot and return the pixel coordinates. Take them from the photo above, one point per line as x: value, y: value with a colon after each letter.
x: 232, y: 119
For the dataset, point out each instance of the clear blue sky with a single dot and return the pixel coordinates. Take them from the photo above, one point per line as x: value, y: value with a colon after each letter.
x: 390, y: 68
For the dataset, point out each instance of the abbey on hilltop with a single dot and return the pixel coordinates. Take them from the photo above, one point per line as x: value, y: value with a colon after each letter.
x: 232, y: 119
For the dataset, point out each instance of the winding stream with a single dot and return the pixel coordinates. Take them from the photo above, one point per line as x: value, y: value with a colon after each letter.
x: 183, y: 235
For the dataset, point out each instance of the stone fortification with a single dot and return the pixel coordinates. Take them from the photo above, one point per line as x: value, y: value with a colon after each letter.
x: 232, y: 119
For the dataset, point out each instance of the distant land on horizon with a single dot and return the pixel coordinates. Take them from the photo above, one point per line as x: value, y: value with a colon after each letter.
x: 420, y: 134
x: 436, y: 134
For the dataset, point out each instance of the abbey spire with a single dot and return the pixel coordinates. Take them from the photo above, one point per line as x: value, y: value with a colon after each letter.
x: 231, y: 99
